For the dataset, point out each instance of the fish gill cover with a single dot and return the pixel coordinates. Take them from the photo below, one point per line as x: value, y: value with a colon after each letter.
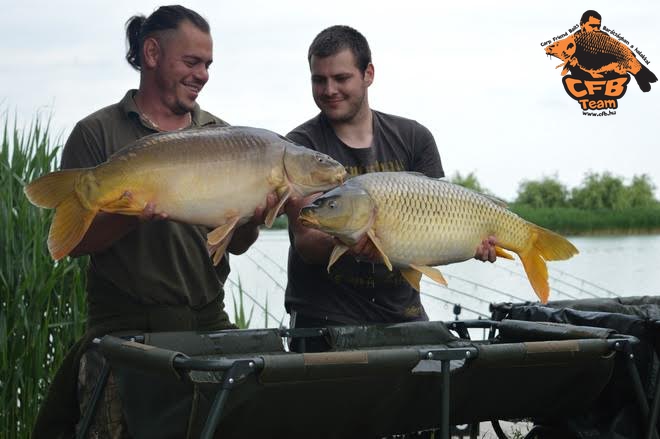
x: 600, y: 62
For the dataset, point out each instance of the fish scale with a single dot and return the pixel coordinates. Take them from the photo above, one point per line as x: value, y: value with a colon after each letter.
x: 434, y: 222
x: 417, y: 222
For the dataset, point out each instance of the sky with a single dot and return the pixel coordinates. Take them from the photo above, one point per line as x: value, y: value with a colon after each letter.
x: 475, y: 73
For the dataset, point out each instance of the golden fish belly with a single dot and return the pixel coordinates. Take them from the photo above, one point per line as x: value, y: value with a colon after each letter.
x: 432, y: 222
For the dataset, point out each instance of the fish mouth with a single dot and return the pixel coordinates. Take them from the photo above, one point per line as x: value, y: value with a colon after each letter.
x: 306, y: 219
x: 326, y: 182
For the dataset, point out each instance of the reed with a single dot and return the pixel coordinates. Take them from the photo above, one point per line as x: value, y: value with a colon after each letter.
x: 42, y: 302
x: 240, y: 318
x: 573, y: 221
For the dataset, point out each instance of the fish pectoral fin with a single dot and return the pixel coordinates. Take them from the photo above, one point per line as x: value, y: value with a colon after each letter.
x: 379, y: 246
x: 218, y: 239
x: 337, y: 253
x: 431, y: 272
x: 217, y: 251
x: 501, y: 253
x: 125, y: 205
x: 270, y: 218
x: 218, y: 234
x: 413, y: 277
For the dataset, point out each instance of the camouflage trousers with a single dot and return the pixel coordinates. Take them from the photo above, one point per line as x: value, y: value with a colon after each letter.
x: 108, y: 420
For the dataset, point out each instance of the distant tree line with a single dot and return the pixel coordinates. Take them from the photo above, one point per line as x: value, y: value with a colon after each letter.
x: 597, y: 191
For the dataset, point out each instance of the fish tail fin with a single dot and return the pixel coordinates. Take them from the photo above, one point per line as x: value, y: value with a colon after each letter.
x: 644, y: 78
x: 545, y: 245
x: 51, y: 189
x: 71, y: 219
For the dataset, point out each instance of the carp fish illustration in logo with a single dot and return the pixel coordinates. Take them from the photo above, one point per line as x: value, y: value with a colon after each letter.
x: 600, y: 65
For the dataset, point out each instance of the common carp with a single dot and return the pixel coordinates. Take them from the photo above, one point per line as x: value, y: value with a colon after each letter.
x: 214, y: 177
x: 417, y: 222
x: 598, y: 54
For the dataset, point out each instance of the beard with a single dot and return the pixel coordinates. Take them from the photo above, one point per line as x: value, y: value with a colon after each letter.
x: 173, y: 93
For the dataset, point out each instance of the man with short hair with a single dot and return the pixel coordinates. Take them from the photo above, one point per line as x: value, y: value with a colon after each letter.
x: 146, y: 274
x: 362, y: 290
x: 590, y: 21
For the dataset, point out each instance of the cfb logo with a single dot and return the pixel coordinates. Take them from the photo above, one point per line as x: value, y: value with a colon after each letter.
x: 596, y: 95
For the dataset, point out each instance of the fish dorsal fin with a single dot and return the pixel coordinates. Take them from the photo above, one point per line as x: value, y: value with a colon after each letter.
x: 431, y: 272
x: 500, y: 202
x: 270, y: 218
x: 218, y: 239
x: 141, y: 143
x: 419, y: 174
x: 337, y: 253
x: 379, y: 246
x: 500, y: 252
x: 412, y: 276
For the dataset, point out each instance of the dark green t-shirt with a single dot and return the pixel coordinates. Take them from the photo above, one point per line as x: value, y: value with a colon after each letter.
x: 361, y: 292
x: 159, y: 262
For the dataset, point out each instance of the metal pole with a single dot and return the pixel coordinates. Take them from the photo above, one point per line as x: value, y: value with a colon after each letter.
x: 444, y: 421
x: 93, y: 402
x: 639, y: 389
x: 233, y: 377
x: 652, y: 430
x: 214, y: 414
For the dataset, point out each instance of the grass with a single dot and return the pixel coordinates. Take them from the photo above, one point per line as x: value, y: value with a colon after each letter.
x: 240, y: 318
x: 573, y: 221
x: 42, y: 303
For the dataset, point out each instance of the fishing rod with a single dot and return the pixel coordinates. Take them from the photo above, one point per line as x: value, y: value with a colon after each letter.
x: 554, y: 289
x: 511, y: 296
x: 555, y: 278
x: 564, y: 273
x: 447, y: 302
x: 266, y: 272
x: 477, y: 284
x: 453, y: 290
x: 265, y: 255
x: 518, y: 264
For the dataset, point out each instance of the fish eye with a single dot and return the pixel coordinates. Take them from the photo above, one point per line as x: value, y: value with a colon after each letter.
x: 332, y: 204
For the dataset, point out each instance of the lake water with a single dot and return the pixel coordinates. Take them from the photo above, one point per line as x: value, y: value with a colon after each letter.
x: 606, y: 266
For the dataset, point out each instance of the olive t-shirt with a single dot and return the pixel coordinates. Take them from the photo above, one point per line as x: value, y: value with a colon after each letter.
x: 159, y: 262
x: 361, y: 292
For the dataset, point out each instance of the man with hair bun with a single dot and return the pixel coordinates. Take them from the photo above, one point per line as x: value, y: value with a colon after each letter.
x: 146, y: 274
